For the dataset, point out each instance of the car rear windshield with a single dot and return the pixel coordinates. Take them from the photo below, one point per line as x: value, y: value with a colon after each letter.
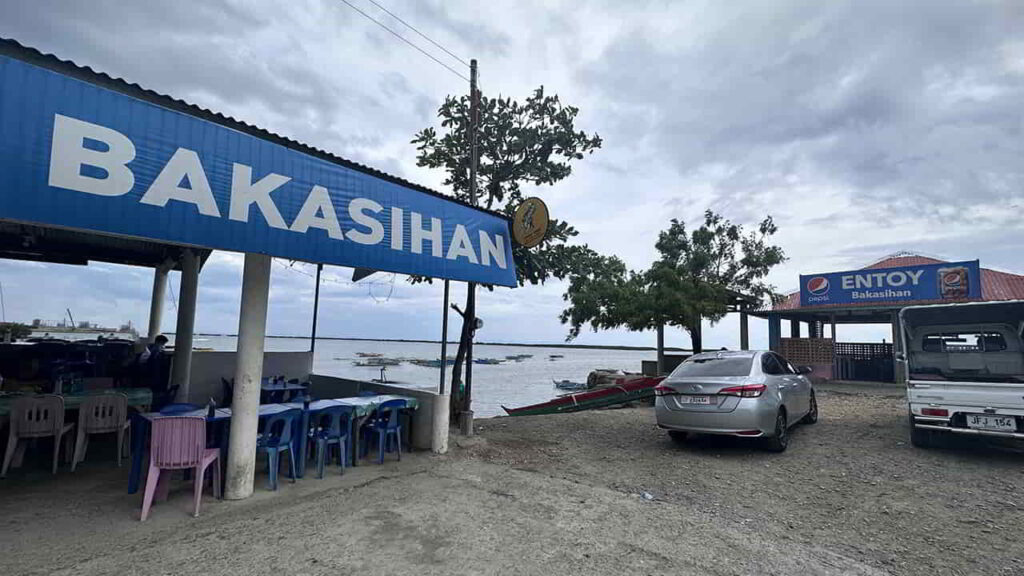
x: 715, y: 366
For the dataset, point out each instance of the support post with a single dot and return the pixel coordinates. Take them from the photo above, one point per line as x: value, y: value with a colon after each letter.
x: 245, y: 403
x: 188, y: 292
x: 440, y: 423
x: 744, y: 331
x: 835, y: 367
x: 775, y: 333
x: 661, y: 349
x: 794, y: 328
x: 897, y: 348
x: 474, y: 120
x: 156, y: 302
x: 316, y: 310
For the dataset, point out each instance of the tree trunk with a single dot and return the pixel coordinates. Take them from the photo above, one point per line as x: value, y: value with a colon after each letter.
x: 696, y: 338
x: 457, y: 399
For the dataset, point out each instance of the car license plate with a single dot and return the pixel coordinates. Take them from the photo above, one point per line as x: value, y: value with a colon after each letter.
x: 987, y: 422
x: 696, y: 399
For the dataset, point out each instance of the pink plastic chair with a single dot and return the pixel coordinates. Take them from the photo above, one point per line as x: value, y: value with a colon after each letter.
x: 36, y: 417
x: 178, y: 443
x: 101, y: 414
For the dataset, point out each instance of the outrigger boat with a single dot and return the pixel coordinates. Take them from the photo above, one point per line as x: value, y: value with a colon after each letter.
x: 626, y: 391
x: 376, y: 362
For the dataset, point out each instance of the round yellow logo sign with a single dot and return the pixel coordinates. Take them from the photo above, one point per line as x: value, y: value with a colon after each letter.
x: 530, y: 223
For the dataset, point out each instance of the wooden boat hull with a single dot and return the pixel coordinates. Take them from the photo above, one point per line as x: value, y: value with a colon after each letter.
x: 636, y: 389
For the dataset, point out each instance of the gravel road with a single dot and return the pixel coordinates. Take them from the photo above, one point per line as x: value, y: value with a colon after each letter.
x: 603, y: 493
x: 850, y: 483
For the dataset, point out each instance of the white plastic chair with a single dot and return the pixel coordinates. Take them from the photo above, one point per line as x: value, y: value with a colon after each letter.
x: 101, y: 414
x: 36, y: 417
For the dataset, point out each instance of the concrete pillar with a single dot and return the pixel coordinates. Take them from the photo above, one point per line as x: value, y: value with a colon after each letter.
x: 744, y: 331
x: 156, y: 302
x: 440, y: 424
x: 661, y: 350
x: 245, y: 403
x: 897, y: 348
x: 181, y: 369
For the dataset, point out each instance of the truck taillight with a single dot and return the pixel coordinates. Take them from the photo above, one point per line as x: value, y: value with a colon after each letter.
x: 934, y: 412
x: 751, y: 391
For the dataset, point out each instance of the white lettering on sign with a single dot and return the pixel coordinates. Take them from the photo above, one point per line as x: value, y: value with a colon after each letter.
x: 94, y: 159
x: 871, y: 280
x: 68, y: 155
x: 183, y: 166
x: 245, y: 193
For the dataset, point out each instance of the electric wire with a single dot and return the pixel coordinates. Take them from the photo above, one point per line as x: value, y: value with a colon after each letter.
x: 404, y: 39
x: 422, y: 35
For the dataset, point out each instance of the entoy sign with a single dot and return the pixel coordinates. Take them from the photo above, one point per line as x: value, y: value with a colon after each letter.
x: 945, y: 281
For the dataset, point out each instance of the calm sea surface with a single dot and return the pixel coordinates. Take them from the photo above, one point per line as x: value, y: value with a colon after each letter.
x: 510, y: 383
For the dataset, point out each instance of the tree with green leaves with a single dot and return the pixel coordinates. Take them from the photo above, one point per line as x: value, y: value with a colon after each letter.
x: 698, y: 276
x: 532, y: 143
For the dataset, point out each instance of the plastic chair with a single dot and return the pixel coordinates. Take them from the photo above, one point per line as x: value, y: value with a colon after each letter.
x: 179, y: 408
x: 101, y: 414
x: 277, y: 438
x: 386, y: 425
x: 331, y: 426
x: 179, y: 443
x: 36, y: 417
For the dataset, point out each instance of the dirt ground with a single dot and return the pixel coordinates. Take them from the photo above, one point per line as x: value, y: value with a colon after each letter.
x: 591, y: 493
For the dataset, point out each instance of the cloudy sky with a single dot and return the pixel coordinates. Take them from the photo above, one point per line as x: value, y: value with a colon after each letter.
x: 864, y: 127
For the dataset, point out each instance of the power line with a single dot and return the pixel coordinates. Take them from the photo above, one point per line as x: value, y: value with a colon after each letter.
x: 422, y: 35
x: 404, y: 39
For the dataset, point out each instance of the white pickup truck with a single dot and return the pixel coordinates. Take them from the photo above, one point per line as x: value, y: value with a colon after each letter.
x: 964, y: 368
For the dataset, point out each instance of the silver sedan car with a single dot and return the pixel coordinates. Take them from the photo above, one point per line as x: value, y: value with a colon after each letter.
x: 752, y: 394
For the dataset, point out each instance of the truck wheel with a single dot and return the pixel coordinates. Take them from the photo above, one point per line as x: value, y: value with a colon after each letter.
x: 920, y: 438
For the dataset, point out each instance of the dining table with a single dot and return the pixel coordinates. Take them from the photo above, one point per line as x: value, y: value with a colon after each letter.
x: 362, y: 408
x: 137, y: 398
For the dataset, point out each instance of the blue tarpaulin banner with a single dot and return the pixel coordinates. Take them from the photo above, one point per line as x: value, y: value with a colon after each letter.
x: 79, y: 155
x: 952, y: 281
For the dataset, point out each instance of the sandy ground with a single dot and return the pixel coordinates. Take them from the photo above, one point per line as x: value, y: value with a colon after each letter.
x: 591, y: 493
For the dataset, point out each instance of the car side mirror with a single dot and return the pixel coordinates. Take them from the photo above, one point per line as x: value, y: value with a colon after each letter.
x: 901, y: 357
x: 804, y: 370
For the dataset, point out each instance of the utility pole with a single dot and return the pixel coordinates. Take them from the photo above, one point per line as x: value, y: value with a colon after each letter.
x: 474, y: 122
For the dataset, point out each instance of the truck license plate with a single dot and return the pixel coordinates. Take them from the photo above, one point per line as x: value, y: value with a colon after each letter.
x: 986, y: 422
x: 697, y: 399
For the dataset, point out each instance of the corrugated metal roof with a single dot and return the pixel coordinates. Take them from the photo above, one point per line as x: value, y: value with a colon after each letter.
x: 995, y: 285
x: 15, y: 49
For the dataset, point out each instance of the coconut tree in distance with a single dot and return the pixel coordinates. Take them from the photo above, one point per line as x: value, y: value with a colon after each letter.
x: 696, y: 277
x: 532, y: 143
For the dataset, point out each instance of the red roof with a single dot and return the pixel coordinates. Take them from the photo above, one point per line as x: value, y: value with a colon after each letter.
x: 995, y: 285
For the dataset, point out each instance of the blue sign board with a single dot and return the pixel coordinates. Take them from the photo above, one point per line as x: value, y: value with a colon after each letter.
x: 953, y: 281
x: 78, y: 155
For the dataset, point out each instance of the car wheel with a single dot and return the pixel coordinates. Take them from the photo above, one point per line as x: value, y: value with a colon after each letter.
x: 780, y: 440
x: 678, y: 436
x: 812, y: 414
x: 920, y: 438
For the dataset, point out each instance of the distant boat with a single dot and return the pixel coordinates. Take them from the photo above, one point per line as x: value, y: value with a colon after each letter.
x: 636, y: 389
x: 518, y: 357
x: 487, y: 361
x: 432, y: 363
x: 377, y: 362
x: 369, y: 354
x: 570, y: 385
x: 553, y: 356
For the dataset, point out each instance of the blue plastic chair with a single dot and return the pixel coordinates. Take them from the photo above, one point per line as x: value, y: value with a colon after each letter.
x: 277, y: 438
x: 387, y: 425
x: 331, y: 426
x: 179, y: 408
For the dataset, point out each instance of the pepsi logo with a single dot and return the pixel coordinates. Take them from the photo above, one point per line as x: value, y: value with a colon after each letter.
x: 817, y: 286
x: 951, y: 279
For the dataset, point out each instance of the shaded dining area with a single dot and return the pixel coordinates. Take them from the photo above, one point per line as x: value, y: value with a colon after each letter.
x: 101, y: 170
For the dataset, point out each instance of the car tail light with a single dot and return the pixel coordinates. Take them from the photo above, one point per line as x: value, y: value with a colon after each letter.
x: 934, y: 412
x: 662, y: 390
x: 751, y: 391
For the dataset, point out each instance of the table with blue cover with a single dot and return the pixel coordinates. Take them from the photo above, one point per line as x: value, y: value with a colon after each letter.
x: 279, y: 387
x: 362, y: 408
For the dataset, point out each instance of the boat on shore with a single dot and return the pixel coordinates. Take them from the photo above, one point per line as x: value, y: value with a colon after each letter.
x: 627, y: 390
